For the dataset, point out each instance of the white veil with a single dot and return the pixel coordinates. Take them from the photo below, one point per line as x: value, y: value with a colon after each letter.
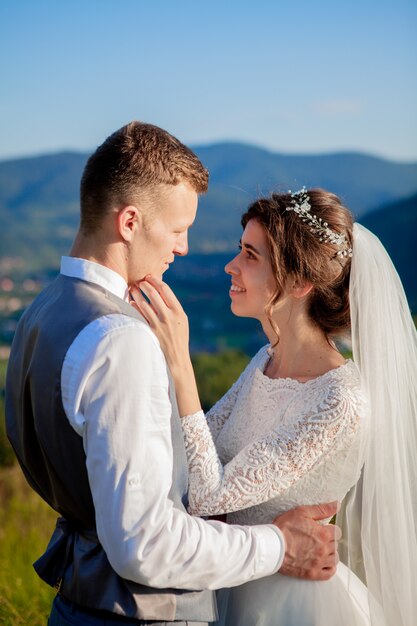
x: 379, y: 518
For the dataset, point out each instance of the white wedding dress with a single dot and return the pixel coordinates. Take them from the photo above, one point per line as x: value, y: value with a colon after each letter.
x: 268, y: 446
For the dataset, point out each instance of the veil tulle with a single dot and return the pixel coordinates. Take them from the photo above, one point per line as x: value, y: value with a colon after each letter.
x: 379, y: 517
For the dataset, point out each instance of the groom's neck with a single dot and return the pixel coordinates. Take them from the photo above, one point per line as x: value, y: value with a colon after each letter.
x: 98, y: 249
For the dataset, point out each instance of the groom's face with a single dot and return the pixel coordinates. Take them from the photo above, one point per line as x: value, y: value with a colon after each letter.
x: 164, y: 233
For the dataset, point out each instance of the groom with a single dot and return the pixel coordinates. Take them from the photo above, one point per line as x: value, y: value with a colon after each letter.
x: 92, y: 416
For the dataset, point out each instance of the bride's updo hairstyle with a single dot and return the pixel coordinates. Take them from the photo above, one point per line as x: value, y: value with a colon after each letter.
x: 298, y: 250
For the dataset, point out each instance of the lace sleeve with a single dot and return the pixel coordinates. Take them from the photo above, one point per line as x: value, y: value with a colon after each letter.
x: 268, y: 466
x: 220, y: 411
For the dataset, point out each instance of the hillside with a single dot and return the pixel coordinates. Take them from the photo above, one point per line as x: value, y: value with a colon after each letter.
x: 396, y: 226
x: 39, y: 195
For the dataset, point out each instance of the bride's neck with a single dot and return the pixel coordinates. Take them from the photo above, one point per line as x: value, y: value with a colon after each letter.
x: 303, y: 351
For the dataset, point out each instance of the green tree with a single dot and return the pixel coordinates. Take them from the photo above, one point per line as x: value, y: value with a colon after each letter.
x: 216, y: 373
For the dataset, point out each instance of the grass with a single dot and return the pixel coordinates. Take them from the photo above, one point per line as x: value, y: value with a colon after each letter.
x: 26, y: 524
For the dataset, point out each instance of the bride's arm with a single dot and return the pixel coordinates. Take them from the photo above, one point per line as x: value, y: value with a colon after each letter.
x: 268, y: 466
x: 168, y: 320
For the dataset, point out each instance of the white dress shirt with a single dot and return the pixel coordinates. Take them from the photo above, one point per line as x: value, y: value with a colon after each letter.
x: 115, y: 392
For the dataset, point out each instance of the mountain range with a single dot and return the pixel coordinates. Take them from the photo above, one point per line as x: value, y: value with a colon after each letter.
x: 39, y: 204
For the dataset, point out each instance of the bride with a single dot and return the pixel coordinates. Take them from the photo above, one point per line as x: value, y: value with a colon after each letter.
x: 303, y: 425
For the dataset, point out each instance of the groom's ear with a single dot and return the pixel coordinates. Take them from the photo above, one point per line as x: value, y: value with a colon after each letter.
x: 129, y: 219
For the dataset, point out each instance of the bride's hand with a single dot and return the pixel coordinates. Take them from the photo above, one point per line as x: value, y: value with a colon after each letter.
x: 166, y: 317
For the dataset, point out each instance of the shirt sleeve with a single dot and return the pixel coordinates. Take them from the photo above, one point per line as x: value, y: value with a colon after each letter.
x: 268, y: 466
x: 116, y: 395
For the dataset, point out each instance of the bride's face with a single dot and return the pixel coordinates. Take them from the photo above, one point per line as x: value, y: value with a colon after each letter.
x: 253, y: 282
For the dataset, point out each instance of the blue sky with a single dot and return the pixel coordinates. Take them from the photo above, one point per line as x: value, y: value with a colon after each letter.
x: 293, y: 76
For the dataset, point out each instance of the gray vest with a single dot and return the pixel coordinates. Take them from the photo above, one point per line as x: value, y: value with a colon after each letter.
x: 52, y: 457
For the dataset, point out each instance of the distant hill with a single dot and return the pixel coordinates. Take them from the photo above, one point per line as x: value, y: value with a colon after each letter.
x: 362, y: 181
x: 396, y: 226
x: 39, y: 206
x: 39, y: 203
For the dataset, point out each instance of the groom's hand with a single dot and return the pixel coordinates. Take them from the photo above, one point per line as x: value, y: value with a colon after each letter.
x: 311, y: 547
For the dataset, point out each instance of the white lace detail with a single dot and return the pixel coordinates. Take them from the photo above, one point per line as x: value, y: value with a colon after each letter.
x: 280, y: 443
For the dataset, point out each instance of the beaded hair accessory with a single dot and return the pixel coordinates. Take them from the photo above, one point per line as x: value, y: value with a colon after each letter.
x: 300, y: 204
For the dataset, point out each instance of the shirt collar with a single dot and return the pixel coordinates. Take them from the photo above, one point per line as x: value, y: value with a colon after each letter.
x: 95, y: 273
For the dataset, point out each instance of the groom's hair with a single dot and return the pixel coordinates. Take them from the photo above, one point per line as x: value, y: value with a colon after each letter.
x: 131, y: 166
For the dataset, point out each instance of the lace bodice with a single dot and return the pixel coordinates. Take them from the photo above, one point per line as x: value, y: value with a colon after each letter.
x: 271, y: 444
